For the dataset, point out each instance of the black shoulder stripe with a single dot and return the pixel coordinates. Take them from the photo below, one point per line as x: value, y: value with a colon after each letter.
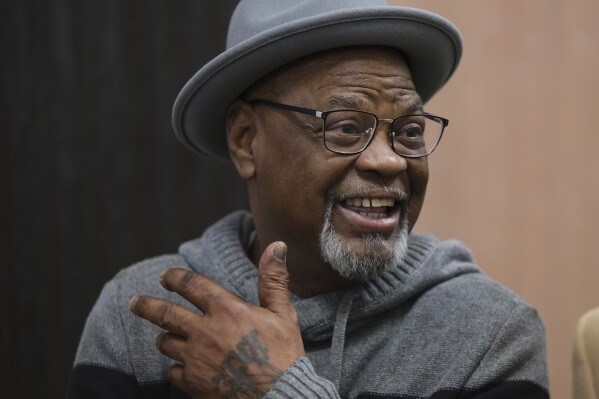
x: 96, y: 382
x: 504, y: 390
x: 88, y: 381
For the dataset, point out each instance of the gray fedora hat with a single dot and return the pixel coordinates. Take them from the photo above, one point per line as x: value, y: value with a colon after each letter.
x: 267, y: 34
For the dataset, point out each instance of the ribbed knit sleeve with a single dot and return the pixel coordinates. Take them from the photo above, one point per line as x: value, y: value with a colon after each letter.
x: 301, y: 381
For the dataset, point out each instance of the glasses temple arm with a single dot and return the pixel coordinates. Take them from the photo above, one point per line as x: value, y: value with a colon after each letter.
x: 286, y: 107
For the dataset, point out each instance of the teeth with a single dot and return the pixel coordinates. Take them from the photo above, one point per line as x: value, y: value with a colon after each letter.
x: 370, y: 202
x: 373, y: 215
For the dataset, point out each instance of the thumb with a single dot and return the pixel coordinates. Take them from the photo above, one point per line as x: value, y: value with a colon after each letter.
x: 273, y: 280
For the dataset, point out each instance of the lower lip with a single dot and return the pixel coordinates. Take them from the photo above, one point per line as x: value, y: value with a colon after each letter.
x: 386, y: 225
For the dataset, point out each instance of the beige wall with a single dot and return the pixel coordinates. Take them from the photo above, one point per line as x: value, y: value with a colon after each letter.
x: 515, y: 177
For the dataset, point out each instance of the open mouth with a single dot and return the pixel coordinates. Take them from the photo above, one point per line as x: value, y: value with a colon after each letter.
x: 373, y: 208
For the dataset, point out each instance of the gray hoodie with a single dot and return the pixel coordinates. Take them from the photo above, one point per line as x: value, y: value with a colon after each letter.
x: 432, y: 327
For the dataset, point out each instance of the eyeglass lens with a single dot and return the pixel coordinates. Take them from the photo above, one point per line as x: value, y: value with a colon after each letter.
x: 350, y: 132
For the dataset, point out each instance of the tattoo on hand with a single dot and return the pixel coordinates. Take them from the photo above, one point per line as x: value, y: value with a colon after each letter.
x: 247, y: 371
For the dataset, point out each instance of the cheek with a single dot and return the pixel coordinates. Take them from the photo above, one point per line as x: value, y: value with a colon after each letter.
x: 291, y: 182
x: 418, y: 176
x: 298, y: 160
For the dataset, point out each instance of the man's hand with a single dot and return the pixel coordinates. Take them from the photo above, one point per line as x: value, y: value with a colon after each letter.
x: 234, y: 350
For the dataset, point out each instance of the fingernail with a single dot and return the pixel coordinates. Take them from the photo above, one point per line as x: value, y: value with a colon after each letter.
x: 161, y: 278
x: 133, y: 301
x: 280, y: 253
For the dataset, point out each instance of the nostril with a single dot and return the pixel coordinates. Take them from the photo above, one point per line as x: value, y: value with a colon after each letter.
x: 381, y: 158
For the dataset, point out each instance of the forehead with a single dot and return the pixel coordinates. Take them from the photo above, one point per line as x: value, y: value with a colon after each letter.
x: 376, y: 57
x: 369, y: 72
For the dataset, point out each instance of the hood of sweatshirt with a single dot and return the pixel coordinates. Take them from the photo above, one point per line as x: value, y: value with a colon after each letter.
x: 221, y: 255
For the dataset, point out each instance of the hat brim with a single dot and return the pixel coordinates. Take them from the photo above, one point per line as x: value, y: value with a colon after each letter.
x: 431, y: 45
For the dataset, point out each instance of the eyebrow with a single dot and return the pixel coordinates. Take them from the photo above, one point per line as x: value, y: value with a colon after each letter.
x: 350, y: 101
x: 416, y: 107
x: 361, y: 102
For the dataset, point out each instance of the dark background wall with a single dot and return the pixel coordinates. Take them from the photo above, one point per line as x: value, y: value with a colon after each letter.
x: 93, y: 178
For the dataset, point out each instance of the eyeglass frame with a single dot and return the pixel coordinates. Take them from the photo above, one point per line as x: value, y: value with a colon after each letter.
x: 323, y: 115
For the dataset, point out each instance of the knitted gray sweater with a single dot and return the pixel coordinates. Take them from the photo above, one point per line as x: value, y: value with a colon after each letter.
x: 433, y: 327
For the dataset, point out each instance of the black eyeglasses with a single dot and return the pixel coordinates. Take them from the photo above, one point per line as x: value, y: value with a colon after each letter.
x: 348, y: 131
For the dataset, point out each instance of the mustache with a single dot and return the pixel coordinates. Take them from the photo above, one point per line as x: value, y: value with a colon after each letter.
x: 368, y: 189
x: 401, y: 195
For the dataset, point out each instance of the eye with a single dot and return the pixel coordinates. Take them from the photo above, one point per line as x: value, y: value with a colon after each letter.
x: 410, y: 128
x: 345, y: 127
x: 412, y: 131
x: 409, y: 134
x: 348, y: 122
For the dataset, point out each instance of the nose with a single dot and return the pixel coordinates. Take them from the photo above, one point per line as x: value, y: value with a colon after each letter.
x: 379, y: 156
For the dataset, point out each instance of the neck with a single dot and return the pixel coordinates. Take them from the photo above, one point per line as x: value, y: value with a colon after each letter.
x: 308, y: 277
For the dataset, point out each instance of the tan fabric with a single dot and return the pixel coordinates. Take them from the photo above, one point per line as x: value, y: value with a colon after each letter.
x: 586, y: 356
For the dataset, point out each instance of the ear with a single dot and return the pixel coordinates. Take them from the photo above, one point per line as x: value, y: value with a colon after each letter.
x: 241, y: 131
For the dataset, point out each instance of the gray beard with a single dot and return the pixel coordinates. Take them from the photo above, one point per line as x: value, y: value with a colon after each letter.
x: 377, y: 257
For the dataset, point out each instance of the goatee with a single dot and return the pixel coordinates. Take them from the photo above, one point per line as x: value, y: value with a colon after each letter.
x: 378, y: 254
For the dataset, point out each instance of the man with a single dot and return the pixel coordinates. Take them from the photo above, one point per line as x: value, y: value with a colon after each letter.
x: 321, y: 291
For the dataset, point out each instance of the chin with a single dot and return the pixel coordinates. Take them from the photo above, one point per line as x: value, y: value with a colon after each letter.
x: 366, y: 257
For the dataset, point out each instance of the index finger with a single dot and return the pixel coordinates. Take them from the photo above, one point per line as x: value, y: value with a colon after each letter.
x: 201, y: 291
x: 165, y: 314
